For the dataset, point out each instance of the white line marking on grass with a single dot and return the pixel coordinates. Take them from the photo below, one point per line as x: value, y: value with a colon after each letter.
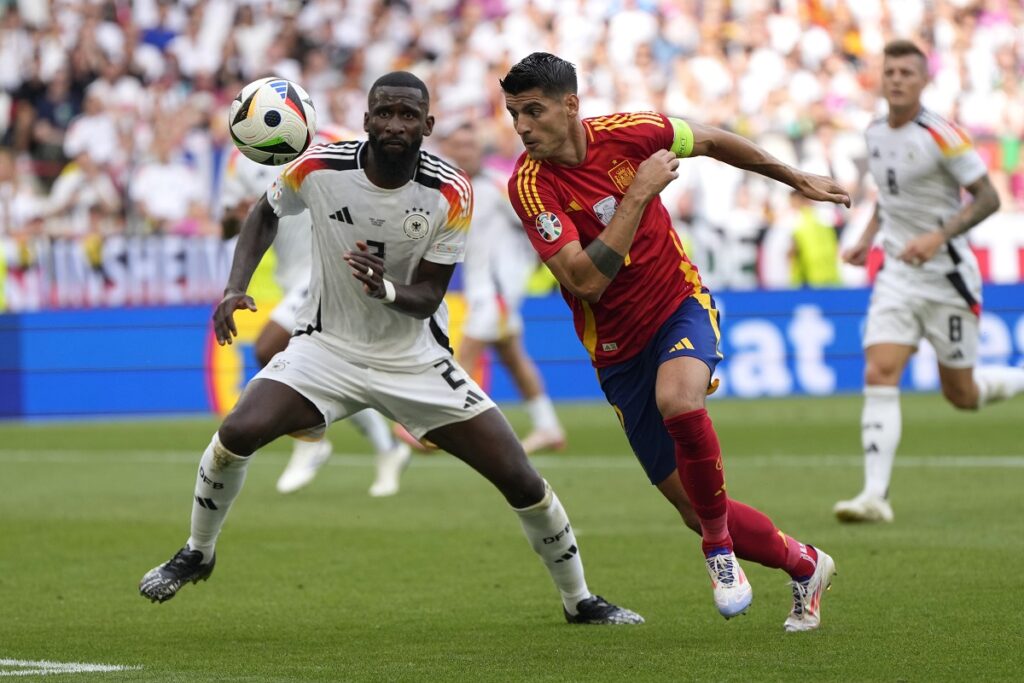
x: 593, y: 461
x: 26, y: 667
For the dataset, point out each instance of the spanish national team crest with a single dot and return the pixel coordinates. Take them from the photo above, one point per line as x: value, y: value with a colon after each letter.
x: 415, y: 225
x: 548, y: 225
x: 622, y: 175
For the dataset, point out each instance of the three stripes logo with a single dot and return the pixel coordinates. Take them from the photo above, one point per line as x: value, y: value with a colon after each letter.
x: 568, y: 555
x: 281, y: 88
x: 683, y: 345
x: 342, y: 215
x: 472, y: 398
x: 206, y: 503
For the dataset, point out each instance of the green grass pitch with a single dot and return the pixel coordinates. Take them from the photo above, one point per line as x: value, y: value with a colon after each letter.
x: 438, y: 583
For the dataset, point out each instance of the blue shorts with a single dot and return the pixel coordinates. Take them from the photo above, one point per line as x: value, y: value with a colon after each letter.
x: 629, y: 386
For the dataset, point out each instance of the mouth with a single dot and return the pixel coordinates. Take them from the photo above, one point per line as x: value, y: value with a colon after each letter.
x: 530, y: 144
x: 393, y: 144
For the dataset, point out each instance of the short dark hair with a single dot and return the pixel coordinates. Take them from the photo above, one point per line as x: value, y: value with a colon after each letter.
x: 400, y: 79
x: 553, y: 75
x: 902, y: 48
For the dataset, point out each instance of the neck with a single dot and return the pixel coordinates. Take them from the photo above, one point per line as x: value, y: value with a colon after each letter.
x: 385, y: 174
x: 900, y: 117
x: 574, y: 150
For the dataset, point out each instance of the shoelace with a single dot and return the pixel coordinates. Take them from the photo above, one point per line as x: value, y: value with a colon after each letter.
x: 800, y: 591
x: 724, y: 569
x: 182, y: 560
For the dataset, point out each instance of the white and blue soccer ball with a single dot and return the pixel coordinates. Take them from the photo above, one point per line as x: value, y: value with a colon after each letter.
x: 272, y: 121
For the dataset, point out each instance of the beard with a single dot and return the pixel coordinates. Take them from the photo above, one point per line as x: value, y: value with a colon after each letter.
x: 392, y: 158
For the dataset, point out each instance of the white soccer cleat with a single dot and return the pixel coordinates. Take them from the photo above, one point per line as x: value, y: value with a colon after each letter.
x: 307, y: 458
x: 544, y: 440
x: 733, y: 594
x: 390, y: 464
x: 863, y: 508
x: 806, y: 614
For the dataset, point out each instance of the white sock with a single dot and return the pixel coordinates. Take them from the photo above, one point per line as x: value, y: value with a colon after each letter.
x: 542, y: 414
x: 997, y: 383
x: 374, y: 427
x: 549, y: 532
x: 881, y: 425
x: 218, y: 482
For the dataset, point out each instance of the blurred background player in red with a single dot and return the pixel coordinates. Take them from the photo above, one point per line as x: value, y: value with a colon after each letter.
x: 930, y: 286
x: 499, y: 261
x: 587, y: 193
x: 244, y: 183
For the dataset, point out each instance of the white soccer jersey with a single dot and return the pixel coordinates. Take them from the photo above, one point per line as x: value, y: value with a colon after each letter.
x: 499, y: 256
x: 920, y: 168
x: 427, y: 218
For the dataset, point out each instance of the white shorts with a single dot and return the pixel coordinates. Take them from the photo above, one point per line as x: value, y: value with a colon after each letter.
x: 895, y: 318
x: 492, y: 318
x: 287, y: 309
x: 421, y: 400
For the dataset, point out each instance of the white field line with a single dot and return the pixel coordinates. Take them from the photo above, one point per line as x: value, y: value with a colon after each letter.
x: 25, y: 667
x: 554, y: 462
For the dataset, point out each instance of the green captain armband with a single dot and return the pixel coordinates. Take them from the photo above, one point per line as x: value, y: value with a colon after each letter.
x: 682, y: 139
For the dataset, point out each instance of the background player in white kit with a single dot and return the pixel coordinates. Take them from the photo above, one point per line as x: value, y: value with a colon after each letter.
x: 381, y: 208
x: 930, y: 285
x: 499, y: 260
x: 244, y: 183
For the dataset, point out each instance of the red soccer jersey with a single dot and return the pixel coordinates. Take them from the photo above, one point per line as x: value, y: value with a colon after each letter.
x: 559, y: 204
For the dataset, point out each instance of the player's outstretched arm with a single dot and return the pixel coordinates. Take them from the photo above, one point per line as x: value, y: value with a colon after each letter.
x: 742, y: 153
x: 419, y: 299
x: 255, y: 238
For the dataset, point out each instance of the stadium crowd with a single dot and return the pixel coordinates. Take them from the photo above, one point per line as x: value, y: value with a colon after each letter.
x: 113, y: 113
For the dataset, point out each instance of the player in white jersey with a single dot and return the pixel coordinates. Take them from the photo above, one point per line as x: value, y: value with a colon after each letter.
x: 499, y: 260
x: 244, y: 183
x: 930, y: 285
x: 389, y: 225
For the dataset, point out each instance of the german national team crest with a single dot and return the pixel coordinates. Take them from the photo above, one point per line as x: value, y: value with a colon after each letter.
x: 548, y: 225
x: 605, y: 209
x: 416, y: 225
x: 622, y: 175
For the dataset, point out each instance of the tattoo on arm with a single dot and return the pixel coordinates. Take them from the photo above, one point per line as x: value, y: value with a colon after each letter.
x: 986, y: 202
x: 605, y: 259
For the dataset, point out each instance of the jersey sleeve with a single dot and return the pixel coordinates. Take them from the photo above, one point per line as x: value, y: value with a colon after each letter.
x: 449, y: 245
x: 548, y: 227
x: 957, y: 153
x: 284, y: 194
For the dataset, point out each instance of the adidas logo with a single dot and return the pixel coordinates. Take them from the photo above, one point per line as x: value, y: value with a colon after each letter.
x: 472, y: 398
x: 571, y: 553
x: 872, y: 448
x: 682, y: 345
x: 956, y: 355
x: 206, y: 503
x: 342, y: 215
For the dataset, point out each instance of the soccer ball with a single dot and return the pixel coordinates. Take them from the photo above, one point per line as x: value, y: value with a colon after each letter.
x: 272, y: 121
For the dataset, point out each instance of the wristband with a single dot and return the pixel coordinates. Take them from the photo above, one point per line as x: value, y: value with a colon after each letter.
x: 389, y: 292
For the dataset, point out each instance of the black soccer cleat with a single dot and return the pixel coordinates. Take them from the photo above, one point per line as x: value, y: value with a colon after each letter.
x: 162, y: 583
x: 597, y: 610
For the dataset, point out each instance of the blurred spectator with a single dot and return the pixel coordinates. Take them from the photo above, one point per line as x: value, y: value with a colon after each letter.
x: 19, y: 202
x: 165, y: 192
x: 815, y: 251
x: 83, y: 199
x: 798, y: 77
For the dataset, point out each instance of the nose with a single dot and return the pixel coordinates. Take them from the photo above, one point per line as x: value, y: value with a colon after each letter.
x: 522, y: 127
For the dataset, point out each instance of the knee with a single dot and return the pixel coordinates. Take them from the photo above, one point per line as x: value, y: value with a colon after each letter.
x: 523, y: 488
x: 881, y: 374
x: 239, y: 434
x: 960, y: 397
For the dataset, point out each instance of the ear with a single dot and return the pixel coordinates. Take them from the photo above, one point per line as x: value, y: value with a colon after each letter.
x: 428, y: 125
x: 366, y: 122
x: 571, y: 102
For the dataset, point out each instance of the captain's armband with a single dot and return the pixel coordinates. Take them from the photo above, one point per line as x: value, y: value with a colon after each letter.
x: 682, y: 138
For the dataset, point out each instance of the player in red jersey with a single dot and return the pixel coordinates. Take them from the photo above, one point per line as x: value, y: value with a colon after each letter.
x: 587, y: 193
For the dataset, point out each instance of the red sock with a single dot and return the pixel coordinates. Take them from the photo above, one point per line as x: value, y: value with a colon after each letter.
x: 699, y: 462
x: 756, y: 538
